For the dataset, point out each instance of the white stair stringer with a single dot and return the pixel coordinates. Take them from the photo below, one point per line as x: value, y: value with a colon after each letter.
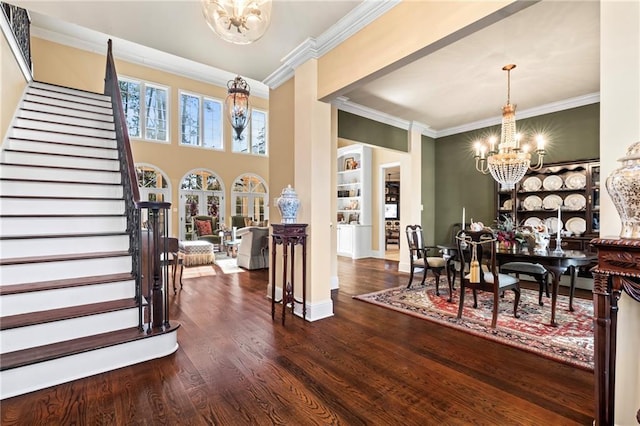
x: 21, y: 380
x: 67, y: 293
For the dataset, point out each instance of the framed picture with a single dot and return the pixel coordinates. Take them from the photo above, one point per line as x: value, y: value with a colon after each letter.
x: 349, y: 163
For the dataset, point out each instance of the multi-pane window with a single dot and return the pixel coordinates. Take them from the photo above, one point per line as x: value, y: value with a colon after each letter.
x: 249, y: 197
x: 200, y: 121
x: 256, y: 132
x: 153, y: 185
x: 146, y: 109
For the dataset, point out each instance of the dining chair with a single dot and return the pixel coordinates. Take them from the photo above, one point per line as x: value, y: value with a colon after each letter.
x: 424, y: 257
x: 477, y: 251
x: 172, y: 258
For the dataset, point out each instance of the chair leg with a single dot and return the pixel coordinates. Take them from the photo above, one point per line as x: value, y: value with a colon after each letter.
x: 410, y: 278
x: 461, y: 303
x: 436, y: 274
x: 543, y: 285
x: 475, y: 298
x: 424, y: 276
x: 516, y: 291
x: 496, y: 302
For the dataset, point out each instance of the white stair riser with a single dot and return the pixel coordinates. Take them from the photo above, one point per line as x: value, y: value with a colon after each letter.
x: 34, y: 226
x: 60, y: 189
x: 103, y: 103
x: 61, y: 270
x: 68, y: 104
x: 18, y: 381
x: 64, y: 175
x: 14, y: 206
x: 64, y: 128
x: 55, y: 109
x: 70, y: 91
x: 29, y: 247
x: 54, y: 148
x: 38, y: 159
x: 15, y: 339
x: 61, y: 138
x: 15, y: 304
x: 63, y: 119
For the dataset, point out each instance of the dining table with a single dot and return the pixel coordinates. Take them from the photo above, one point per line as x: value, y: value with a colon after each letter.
x: 557, y: 263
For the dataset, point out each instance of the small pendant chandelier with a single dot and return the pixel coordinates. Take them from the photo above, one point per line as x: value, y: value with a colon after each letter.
x: 236, y: 105
x: 510, y: 162
x: 238, y: 21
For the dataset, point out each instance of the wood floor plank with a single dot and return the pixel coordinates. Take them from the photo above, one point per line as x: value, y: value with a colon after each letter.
x: 366, y: 365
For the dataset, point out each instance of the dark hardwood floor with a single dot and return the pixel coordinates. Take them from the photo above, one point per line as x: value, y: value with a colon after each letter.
x: 364, y: 366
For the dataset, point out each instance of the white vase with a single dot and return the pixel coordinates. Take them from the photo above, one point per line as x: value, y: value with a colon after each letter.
x: 288, y: 204
x: 623, y: 185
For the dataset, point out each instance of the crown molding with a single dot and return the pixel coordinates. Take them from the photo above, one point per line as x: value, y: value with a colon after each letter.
x: 361, y: 16
x: 96, y: 42
x: 592, y: 98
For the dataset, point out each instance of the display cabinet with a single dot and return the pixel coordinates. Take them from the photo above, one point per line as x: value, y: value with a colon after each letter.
x: 572, y: 187
x: 353, y: 214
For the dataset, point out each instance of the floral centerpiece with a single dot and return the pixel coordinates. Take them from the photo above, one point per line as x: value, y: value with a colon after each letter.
x: 507, y: 233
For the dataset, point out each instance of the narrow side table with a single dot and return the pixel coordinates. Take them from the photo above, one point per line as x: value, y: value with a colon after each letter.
x: 288, y: 235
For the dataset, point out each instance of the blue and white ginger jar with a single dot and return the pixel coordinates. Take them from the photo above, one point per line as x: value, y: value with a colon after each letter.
x: 288, y: 203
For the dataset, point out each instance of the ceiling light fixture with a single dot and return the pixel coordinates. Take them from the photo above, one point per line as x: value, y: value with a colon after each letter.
x: 509, y: 163
x: 238, y: 21
x: 236, y: 105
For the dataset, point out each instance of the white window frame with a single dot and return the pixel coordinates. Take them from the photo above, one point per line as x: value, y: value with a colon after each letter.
x: 143, y: 113
x: 202, y: 99
x: 248, y: 135
x: 251, y: 197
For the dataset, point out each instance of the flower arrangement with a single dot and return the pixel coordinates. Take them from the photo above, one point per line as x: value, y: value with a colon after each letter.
x: 507, y: 232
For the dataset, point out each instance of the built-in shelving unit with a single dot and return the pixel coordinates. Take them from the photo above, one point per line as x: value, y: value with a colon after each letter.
x: 353, y: 205
x: 572, y: 187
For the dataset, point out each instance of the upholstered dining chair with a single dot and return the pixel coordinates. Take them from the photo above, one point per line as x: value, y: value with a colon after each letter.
x: 477, y: 252
x: 424, y: 257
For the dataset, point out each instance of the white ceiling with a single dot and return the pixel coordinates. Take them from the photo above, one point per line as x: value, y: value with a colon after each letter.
x: 555, y: 45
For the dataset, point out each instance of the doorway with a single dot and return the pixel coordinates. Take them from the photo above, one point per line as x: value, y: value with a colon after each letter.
x: 392, y: 231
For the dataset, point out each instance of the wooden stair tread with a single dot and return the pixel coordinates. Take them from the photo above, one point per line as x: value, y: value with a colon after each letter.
x: 62, y: 257
x: 35, y: 355
x: 66, y: 283
x: 51, y: 315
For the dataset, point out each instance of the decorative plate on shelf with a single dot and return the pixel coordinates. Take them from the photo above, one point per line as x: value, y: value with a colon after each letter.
x: 532, y: 202
x: 532, y: 183
x: 575, y: 181
x: 552, y: 202
x: 552, y: 183
x: 552, y: 224
x: 507, y: 205
x: 533, y: 222
x: 575, y: 202
x: 577, y: 225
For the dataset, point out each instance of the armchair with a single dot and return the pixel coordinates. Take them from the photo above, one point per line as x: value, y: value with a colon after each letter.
x: 253, y: 248
x: 421, y: 258
x: 240, y: 221
x: 206, y: 229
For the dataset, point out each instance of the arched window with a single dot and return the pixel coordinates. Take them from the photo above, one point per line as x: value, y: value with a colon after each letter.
x: 249, y: 197
x: 201, y: 193
x: 153, y: 185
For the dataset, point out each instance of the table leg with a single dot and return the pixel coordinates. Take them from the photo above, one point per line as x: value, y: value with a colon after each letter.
x: 556, y: 272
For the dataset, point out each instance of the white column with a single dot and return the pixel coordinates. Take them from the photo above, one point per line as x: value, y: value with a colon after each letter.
x: 619, y: 128
x: 410, y: 193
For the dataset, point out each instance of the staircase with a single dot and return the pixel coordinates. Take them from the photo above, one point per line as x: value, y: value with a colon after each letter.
x: 68, y: 305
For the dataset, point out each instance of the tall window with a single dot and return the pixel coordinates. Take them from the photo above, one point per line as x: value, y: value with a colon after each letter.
x: 146, y: 109
x: 249, y: 197
x: 200, y: 121
x: 256, y: 132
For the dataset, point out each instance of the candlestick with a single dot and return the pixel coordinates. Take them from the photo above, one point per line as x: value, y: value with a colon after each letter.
x: 559, y: 224
x: 463, y: 211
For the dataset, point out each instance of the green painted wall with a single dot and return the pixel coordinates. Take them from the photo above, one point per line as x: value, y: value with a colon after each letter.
x: 573, y: 135
x: 356, y: 128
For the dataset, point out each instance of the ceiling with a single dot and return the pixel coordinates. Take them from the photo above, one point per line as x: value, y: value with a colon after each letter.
x: 555, y: 45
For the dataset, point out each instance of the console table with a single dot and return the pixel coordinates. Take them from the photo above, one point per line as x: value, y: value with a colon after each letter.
x: 288, y: 235
x: 618, y: 270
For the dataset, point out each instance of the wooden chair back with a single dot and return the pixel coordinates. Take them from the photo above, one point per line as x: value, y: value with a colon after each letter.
x: 477, y: 251
x: 415, y: 240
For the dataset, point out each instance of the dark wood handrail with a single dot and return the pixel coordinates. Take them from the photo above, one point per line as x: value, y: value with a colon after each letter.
x: 112, y: 89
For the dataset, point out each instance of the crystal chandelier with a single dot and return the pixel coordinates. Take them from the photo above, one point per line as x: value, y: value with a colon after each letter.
x: 238, y: 21
x: 510, y: 162
x: 236, y: 105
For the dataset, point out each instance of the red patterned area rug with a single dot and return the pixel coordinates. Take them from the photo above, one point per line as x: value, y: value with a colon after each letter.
x: 571, y: 342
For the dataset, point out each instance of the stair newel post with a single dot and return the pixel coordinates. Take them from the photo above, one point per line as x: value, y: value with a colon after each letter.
x: 157, y: 310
